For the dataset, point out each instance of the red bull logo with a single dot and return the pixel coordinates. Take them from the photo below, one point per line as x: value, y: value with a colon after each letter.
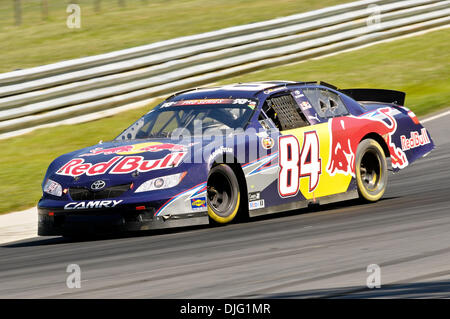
x: 120, y: 165
x: 415, y: 140
x: 136, y: 149
x: 346, y: 132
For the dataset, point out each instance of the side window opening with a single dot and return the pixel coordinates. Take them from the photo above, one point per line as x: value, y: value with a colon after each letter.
x: 284, y: 112
x: 333, y: 105
x: 323, y: 106
x: 326, y: 103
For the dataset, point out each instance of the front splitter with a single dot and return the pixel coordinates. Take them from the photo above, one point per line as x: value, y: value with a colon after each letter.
x: 53, y: 222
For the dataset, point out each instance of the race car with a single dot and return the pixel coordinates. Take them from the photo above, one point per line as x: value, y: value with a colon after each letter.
x: 222, y: 154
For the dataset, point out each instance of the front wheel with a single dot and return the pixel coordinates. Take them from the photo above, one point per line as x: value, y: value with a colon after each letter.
x: 224, y: 196
x: 371, y: 170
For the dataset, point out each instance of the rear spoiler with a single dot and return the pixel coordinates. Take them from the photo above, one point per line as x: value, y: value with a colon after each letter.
x: 376, y: 95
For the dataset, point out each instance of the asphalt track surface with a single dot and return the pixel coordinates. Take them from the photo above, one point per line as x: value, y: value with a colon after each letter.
x: 302, y: 254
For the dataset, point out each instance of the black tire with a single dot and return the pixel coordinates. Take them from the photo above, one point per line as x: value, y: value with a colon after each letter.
x: 223, y: 194
x: 371, y: 170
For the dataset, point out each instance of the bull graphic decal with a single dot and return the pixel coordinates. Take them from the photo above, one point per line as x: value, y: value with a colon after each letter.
x: 346, y: 134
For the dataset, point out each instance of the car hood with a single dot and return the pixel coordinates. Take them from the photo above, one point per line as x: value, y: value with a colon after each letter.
x: 118, y: 161
x: 148, y: 149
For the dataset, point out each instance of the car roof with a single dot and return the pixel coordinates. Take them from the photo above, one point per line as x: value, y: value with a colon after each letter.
x: 241, y: 90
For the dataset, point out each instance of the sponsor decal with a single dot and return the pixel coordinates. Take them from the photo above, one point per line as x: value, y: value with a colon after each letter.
x: 93, y: 204
x: 305, y: 105
x: 252, y: 105
x: 136, y: 149
x: 198, y: 102
x: 297, y: 93
x: 198, y: 203
x: 254, y: 196
x: 240, y: 101
x: 268, y: 91
x: 415, y: 139
x: 315, y: 117
x: 256, y: 204
x: 267, y: 143
x: 219, y: 151
x: 120, y: 165
x: 345, y: 135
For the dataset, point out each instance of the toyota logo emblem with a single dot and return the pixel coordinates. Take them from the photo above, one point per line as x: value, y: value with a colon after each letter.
x: 98, y: 185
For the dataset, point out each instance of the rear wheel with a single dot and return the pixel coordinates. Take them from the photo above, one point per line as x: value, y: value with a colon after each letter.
x: 371, y: 170
x: 224, y: 196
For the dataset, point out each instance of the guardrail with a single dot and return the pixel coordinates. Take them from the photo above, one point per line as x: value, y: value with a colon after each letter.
x: 63, y: 90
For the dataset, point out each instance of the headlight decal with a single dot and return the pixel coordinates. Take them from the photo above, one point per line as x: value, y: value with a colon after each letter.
x: 53, y: 188
x: 162, y: 182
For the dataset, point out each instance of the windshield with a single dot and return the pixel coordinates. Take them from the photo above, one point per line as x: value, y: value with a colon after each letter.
x: 205, y: 116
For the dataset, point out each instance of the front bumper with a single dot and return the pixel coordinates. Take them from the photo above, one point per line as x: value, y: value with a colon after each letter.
x: 54, y: 222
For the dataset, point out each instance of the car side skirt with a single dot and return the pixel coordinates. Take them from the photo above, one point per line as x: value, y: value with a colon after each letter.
x: 352, y: 194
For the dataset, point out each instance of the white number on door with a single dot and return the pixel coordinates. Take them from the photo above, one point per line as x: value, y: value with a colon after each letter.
x: 295, y: 164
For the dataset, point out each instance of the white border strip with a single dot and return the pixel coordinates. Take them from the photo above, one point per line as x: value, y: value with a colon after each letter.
x: 434, y: 117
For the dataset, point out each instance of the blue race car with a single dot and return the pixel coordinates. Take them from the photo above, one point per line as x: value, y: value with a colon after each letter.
x: 217, y: 155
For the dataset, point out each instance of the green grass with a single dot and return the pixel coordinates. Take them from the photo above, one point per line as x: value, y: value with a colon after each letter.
x: 37, y: 42
x: 417, y: 65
